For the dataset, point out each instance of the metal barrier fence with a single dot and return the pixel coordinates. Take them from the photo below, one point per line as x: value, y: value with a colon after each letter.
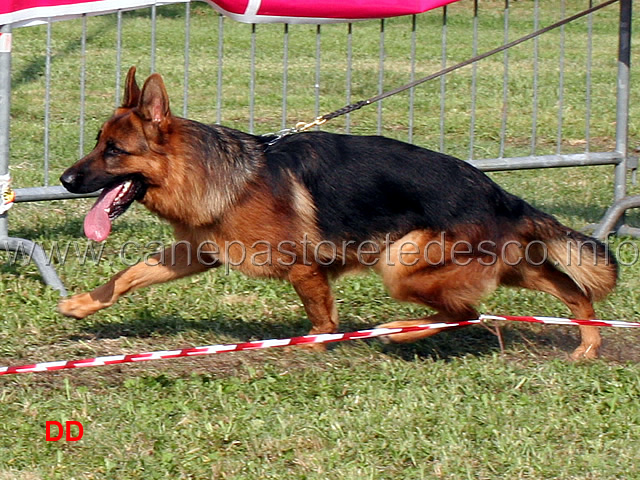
x: 228, y: 75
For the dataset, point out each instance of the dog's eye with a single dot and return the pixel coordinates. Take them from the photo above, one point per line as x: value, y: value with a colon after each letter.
x: 113, y: 151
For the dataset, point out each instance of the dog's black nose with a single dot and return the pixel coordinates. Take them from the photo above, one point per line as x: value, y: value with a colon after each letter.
x: 69, y: 179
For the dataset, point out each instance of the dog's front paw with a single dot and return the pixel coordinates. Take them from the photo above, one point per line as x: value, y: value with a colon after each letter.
x: 78, y: 306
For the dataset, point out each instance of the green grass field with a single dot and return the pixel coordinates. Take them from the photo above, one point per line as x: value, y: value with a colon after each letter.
x: 450, y: 407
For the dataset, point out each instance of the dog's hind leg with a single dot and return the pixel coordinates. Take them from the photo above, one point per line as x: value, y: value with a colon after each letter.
x: 441, y: 290
x: 312, y: 286
x: 435, y: 278
x: 173, y: 263
x: 441, y: 317
x: 546, y: 278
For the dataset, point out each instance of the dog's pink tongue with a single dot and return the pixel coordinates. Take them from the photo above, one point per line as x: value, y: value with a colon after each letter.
x: 97, y: 224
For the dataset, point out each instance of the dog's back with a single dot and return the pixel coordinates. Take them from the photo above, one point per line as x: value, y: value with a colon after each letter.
x: 365, y: 187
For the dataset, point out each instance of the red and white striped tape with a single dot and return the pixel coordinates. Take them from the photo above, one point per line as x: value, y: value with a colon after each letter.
x: 561, y: 321
x: 304, y: 340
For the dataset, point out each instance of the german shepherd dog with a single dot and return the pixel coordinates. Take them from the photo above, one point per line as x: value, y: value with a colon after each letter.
x: 308, y: 207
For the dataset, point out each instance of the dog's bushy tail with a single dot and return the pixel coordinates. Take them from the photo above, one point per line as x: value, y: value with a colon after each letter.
x: 588, y: 261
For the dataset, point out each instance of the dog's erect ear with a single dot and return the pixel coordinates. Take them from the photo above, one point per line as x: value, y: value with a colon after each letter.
x: 154, y: 101
x: 131, y: 90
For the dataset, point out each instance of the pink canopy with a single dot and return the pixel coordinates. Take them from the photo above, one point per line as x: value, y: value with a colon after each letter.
x: 29, y: 12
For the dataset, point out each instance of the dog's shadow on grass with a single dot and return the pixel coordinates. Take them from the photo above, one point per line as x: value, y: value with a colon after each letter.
x: 479, y: 341
x: 445, y: 346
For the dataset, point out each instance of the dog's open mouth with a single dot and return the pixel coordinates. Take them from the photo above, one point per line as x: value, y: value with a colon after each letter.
x: 112, y: 202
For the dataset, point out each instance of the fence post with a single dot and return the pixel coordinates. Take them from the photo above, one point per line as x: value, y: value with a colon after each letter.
x: 5, y: 116
x: 7, y: 243
x: 622, y: 108
x: 613, y: 219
